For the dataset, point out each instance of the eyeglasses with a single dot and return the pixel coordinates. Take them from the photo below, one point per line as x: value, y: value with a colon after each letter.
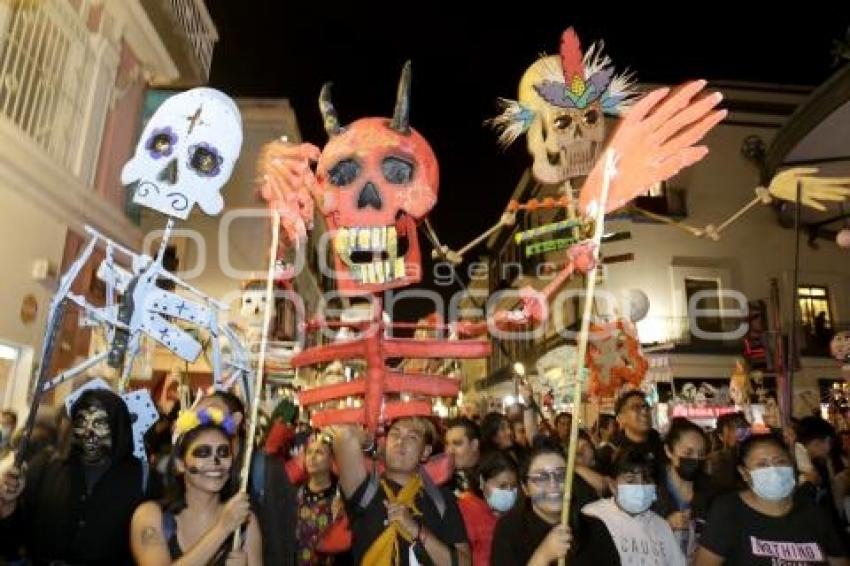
x: 544, y: 477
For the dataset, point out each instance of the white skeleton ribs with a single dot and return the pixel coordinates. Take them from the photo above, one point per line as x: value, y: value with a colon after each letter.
x: 147, y: 310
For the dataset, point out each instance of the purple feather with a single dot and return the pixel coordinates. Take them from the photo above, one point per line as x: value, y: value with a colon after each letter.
x: 555, y: 94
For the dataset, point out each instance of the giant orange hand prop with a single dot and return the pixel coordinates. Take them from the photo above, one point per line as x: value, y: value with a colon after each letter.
x: 656, y: 139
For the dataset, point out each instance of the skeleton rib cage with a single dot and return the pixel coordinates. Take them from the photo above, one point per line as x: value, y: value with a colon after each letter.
x: 135, y: 307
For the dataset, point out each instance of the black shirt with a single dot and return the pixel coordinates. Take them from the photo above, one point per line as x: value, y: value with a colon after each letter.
x: 521, y: 530
x: 367, y: 518
x: 58, y: 519
x: 517, y: 535
x: 667, y: 501
x: 742, y: 535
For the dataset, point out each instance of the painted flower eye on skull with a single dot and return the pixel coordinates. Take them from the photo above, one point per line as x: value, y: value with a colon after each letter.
x: 376, y: 178
x: 186, y: 154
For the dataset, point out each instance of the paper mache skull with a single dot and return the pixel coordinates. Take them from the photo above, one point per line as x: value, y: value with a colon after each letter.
x: 563, y: 100
x: 376, y: 179
x: 186, y: 154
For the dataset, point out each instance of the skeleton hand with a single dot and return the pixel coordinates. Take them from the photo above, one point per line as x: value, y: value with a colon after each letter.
x: 532, y: 311
x: 813, y: 189
x: 653, y: 142
x: 286, y: 183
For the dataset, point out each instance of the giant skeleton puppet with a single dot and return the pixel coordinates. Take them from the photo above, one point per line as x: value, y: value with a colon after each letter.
x: 184, y: 156
x: 376, y: 179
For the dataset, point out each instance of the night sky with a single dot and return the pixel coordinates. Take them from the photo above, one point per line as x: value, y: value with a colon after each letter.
x: 463, y: 61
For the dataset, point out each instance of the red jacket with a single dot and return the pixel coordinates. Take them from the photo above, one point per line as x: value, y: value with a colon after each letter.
x: 480, y: 522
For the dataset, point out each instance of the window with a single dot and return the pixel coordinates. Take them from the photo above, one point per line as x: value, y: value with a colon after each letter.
x: 706, y: 323
x: 814, y: 306
x: 663, y: 199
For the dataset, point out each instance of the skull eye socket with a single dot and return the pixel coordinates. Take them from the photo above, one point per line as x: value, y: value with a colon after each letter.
x: 202, y: 451
x: 344, y: 172
x: 397, y: 171
x: 591, y: 117
x: 161, y: 143
x: 205, y: 160
x: 563, y: 121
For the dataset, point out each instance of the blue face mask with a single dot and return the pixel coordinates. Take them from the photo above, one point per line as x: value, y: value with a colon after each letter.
x: 634, y: 499
x: 501, y: 500
x: 773, y: 483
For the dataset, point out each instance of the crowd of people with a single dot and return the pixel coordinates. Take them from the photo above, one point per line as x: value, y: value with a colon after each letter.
x: 426, y: 491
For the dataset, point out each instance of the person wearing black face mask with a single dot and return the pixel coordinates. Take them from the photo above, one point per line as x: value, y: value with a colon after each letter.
x: 684, y: 492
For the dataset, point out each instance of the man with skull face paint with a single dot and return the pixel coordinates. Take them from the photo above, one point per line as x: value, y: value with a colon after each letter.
x: 76, y: 508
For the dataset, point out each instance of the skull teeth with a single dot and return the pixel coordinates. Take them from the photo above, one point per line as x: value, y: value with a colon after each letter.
x: 372, y: 239
x: 375, y: 239
x: 378, y: 272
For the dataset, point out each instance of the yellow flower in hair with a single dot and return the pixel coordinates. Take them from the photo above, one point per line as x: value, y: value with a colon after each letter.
x: 216, y: 415
x: 186, y: 422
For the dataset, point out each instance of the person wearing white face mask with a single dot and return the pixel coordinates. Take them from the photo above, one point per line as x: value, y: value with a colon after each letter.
x: 626, y: 522
x: 482, y: 508
x: 766, y: 524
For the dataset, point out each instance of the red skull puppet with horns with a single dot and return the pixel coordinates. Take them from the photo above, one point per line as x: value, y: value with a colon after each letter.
x: 375, y: 179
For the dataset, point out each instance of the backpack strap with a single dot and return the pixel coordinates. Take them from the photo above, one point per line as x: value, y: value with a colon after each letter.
x: 370, y: 491
x: 433, y: 493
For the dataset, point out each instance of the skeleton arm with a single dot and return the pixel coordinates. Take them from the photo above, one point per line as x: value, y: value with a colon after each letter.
x: 508, y: 218
x: 783, y: 186
x: 440, y: 251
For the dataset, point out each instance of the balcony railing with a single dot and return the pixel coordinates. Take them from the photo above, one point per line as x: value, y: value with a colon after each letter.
x: 46, y: 69
x: 189, y: 35
x: 700, y: 335
x: 195, y: 21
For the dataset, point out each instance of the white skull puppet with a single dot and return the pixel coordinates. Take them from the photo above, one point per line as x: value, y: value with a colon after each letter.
x: 562, y: 102
x: 186, y: 154
x: 253, y: 306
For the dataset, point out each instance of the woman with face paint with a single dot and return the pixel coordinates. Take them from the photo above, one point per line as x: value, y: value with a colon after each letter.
x: 195, y: 525
x: 626, y: 522
x: 767, y: 524
x: 684, y: 490
x: 532, y: 532
x: 482, y: 505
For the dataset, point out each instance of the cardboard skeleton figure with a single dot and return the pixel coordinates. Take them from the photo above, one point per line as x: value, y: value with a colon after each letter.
x: 184, y: 157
